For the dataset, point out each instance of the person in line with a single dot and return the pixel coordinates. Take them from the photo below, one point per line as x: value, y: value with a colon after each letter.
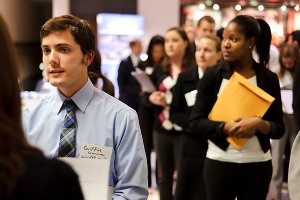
x: 155, y: 54
x: 205, y: 26
x: 294, y: 166
x: 129, y: 88
x: 189, y: 182
x: 166, y: 133
x: 101, y: 81
x: 190, y: 30
x: 289, y: 56
x: 25, y: 172
x: 93, y: 117
x: 230, y: 173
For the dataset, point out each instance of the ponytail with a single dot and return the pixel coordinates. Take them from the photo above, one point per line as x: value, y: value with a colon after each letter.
x: 263, y: 42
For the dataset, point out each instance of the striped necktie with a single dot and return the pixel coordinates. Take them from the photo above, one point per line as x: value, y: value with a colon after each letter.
x: 68, y: 132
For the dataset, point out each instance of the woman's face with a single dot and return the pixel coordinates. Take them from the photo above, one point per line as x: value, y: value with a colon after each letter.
x: 235, y: 46
x: 288, y: 62
x: 206, y: 53
x: 157, y: 52
x: 174, y: 44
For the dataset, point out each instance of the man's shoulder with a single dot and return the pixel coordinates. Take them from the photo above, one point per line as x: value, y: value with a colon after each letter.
x: 110, y: 103
x: 38, y: 103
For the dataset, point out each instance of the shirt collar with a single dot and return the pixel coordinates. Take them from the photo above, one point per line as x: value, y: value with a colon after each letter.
x: 82, y: 97
x: 200, y: 72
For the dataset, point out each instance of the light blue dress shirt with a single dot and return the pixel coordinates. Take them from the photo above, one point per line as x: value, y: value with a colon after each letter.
x: 102, y: 120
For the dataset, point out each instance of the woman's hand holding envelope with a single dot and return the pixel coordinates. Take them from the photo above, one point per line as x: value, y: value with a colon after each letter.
x: 246, y: 127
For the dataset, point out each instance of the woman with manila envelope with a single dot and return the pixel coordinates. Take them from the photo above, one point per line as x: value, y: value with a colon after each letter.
x: 238, y: 108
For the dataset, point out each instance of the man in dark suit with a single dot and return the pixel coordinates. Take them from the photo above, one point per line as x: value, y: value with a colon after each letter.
x: 129, y: 88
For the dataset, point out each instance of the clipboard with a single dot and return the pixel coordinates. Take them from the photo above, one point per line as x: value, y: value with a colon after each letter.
x: 240, y: 98
x: 144, y: 80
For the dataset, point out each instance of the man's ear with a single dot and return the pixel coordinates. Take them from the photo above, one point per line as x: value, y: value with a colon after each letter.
x: 89, y: 57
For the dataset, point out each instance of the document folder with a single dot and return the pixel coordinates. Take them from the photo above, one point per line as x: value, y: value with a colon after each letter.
x: 240, y: 98
x: 144, y: 80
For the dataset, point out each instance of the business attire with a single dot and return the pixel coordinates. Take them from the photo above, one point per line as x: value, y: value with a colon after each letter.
x: 279, y: 145
x: 129, y: 88
x: 146, y: 118
x: 294, y: 166
x: 102, y: 120
x: 165, y: 136
x: 296, y: 95
x: 190, y: 181
x: 294, y: 170
x: 228, y: 172
x: 46, y: 179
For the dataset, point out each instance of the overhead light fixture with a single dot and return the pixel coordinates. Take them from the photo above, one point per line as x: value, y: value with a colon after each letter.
x: 202, y: 6
x: 260, y: 7
x: 216, y: 7
x: 238, y: 7
x: 297, y: 7
x: 283, y: 8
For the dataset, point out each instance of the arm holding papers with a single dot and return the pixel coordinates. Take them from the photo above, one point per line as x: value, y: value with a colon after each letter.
x: 207, y: 96
x: 144, y: 80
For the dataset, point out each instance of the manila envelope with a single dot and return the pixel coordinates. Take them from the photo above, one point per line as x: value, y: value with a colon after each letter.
x: 240, y: 98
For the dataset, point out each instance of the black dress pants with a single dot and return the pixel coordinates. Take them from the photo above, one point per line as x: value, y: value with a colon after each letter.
x: 228, y: 181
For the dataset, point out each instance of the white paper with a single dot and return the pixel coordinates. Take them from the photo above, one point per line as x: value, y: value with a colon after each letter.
x: 190, y: 98
x: 144, y: 80
x: 92, y: 151
x: 287, y: 101
x: 93, y: 176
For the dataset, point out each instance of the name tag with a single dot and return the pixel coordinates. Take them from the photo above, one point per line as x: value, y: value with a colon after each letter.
x: 92, y: 151
x: 190, y: 97
x: 168, y: 82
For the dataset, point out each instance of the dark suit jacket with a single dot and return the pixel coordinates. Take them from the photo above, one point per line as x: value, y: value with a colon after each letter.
x: 207, y: 95
x: 129, y: 88
x: 179, y: 111
x: 157, y: 77
x: 192, y: 147
x: 296, y: 95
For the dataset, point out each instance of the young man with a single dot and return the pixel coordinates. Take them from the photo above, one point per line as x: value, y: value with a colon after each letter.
x: 205, y: 26
x: 129, y: 88
x: 68, y: 46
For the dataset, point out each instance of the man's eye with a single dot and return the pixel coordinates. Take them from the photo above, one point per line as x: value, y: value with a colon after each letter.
x: 64, y: 50
x: 45, y: 51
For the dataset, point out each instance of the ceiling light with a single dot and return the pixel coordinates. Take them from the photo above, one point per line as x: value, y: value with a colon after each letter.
x: 216, y: 7
x: 201, y: 6
x: 297, y: 7
x: 238, y: 7
x: 260, y: 7
x: 283, y: 8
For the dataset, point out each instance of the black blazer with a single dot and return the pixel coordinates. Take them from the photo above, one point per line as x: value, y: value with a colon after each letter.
x: 129, y: 88
x: 179, y: 110
x: 157, y: 77
x: 296, y: 95
x: 208, y: 89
